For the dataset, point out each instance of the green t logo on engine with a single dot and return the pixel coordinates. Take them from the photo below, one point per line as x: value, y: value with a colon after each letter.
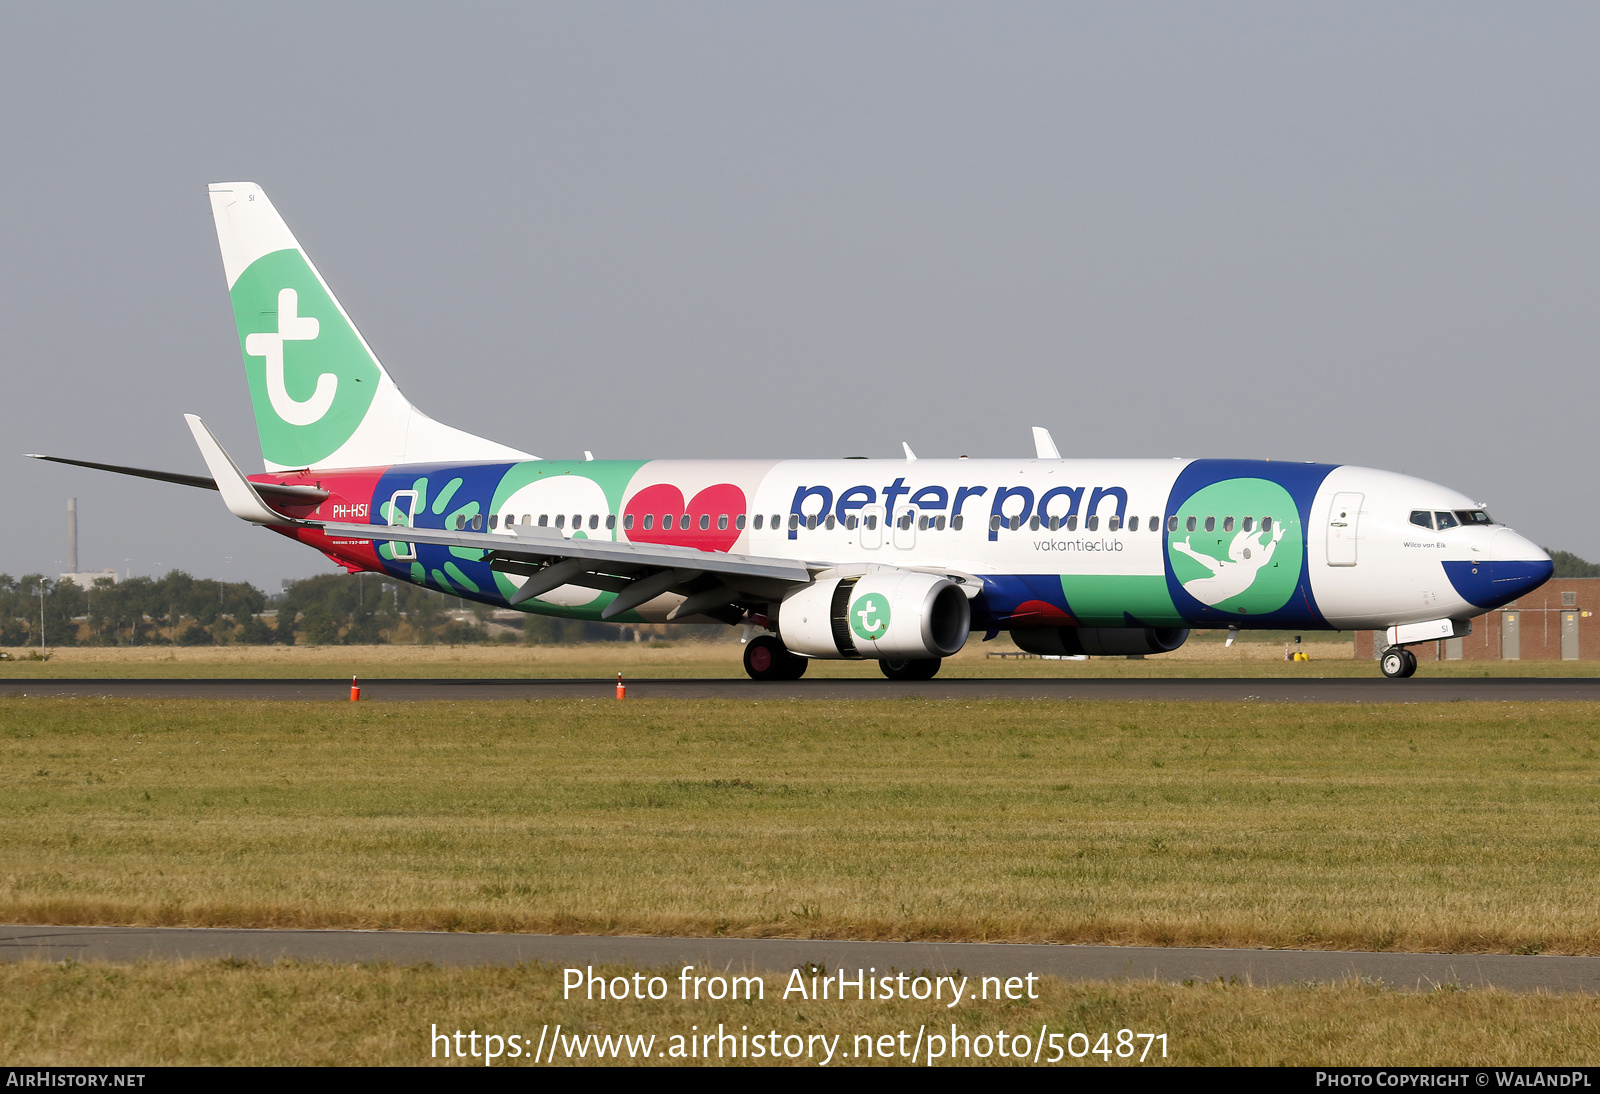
x: 869, y: 617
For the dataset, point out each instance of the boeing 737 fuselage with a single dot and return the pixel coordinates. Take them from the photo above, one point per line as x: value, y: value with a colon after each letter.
x: 893, y: 560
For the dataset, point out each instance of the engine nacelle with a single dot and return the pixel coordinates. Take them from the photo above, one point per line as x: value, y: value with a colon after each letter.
x: 887, y: 614
x: 1099, y: 641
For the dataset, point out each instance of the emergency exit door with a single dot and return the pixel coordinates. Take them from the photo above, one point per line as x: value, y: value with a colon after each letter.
x: 402, y: 506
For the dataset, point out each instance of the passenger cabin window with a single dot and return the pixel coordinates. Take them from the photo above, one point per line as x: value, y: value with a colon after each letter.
x: 759, y: 521
x: 1266, y: 524
x: 1445, y: 520
x: 1189, y: 525
x: 627, y: 523
x: 1033, y: 523
x: 738, y: 522
x: 1155, y: 524
x: 1172, y: 524
x: 722, y: 522
x: 1249, y: 523
x: 872, y: 522
x: 830, y: 522
x: 851, y: 523
x: 594, y: 521
x: 938, y: 524
x: 494, y: 521
x: 1092, y: 522
x: 611, y: 521
x: 1133, y: 524
x: 1211, y: 524
x: 957, y: 521
x: 1072, y: 523
x: 1422, y: 518
x: 561, y: 520
x: 705, y: 522
x: 461, y: 521
x: 1114, y: 523
x: 775, y: 522
x: 1227, y: 524
x: 649, y: 519
x: 666, y: 520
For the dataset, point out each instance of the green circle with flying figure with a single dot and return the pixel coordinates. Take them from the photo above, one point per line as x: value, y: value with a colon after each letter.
x: 1248, y: 561
x: 869, y: 616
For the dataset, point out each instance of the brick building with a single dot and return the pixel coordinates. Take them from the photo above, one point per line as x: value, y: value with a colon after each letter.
x: 1559, y: 621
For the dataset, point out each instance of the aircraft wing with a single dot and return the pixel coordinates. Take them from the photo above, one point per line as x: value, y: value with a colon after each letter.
x: 636, y: 572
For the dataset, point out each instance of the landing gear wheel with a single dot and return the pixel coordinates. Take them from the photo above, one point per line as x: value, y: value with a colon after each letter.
x: 766, y: 658
x: 920, y: 669
x: 1398, y: 662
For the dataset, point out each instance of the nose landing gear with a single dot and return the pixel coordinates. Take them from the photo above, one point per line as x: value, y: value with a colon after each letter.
x: 1398, y: 662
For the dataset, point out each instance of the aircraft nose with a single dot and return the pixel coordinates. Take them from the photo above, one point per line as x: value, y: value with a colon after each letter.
x: 1507, y: 546
x: 1514, y: 567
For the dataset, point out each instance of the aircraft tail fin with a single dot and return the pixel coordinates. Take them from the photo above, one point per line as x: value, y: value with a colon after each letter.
x: 321, y: 396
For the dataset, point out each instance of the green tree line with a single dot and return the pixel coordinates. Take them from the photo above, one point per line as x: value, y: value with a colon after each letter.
x: 329, y: 609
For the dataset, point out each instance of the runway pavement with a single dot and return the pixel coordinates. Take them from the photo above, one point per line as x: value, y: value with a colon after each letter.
x: 1278, y: 689
x: 1263, y: 968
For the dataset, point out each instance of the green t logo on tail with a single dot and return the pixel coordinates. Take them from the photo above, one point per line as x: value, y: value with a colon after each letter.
x: 869, y: 617
x: 311, y: 379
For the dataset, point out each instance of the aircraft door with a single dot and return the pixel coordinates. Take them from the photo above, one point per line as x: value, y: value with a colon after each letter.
x: 905, y: 529
x: 872, y: 527
x: 402, y: 506
x: 1344, y: 517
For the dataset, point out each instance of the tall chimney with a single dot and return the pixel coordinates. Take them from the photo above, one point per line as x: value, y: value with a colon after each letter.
x: 72, y: 535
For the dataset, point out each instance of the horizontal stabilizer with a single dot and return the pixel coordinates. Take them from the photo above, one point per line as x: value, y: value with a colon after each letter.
x: 282, y: 494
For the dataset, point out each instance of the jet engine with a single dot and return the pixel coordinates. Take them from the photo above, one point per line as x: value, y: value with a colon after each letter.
x: 885, y: 614
x: 1099, y: 641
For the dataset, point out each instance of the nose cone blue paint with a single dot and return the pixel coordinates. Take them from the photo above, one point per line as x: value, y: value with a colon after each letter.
x: 1491, y: 584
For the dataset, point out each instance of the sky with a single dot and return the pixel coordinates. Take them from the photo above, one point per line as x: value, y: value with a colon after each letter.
x: 1355, y: 233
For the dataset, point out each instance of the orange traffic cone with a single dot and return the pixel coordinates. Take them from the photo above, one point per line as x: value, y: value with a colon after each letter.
x: 355, y: 690
x: 622, y: 692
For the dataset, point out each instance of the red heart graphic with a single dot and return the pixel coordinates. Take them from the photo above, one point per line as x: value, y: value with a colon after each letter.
x: 663, y: 502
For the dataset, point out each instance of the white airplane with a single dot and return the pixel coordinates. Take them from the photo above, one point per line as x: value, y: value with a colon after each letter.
x: 898, y: 560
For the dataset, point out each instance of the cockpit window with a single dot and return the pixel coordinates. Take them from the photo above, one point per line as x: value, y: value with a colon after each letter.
x: 1446, y: 520
x: 1473, y: 516
x: 1422, y: 518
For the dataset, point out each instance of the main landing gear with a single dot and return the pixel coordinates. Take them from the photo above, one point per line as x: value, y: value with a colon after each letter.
x: 765, y: 658
x: 1398, y: 662
x: 921, y: 669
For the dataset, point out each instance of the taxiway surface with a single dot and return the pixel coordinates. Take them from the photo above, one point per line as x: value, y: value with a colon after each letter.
x: 1275, y: 689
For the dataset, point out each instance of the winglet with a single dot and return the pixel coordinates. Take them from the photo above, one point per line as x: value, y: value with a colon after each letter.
x: 910, y: 455
x: 237, y: 491
x: 1044, y: 445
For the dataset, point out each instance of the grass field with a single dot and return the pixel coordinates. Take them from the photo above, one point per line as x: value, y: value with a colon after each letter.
x: 1201, y: 657
x: 1454, y: 827
x: 231, y: 1013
